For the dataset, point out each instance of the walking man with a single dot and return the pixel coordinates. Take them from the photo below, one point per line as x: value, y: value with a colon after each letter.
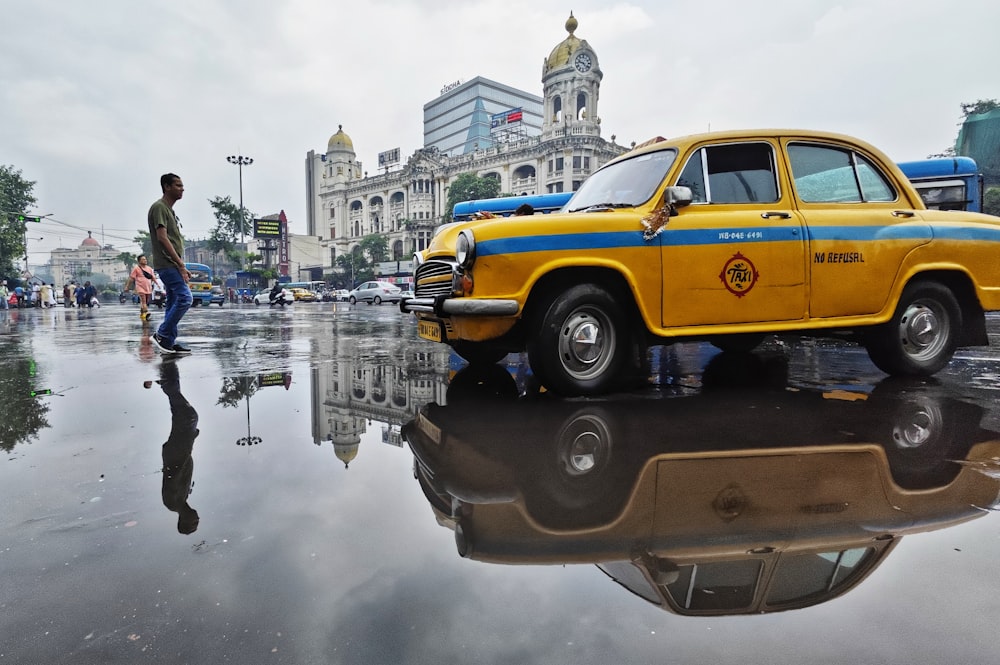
x: 168, y: 248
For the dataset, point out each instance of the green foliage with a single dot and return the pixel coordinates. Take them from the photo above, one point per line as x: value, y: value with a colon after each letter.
x: 129, y: 260
x: 375, y: 246
x: 237, y: 388
x: 969, y: 108
x: 979, y: 106
x: 353, y: 268
x: 23, y: 412
x: 231, y: 221
x: 991, y: 201
x: 219, y: 242
x: 16, y: 197
x: 468, y: 187
x: 143, y: 240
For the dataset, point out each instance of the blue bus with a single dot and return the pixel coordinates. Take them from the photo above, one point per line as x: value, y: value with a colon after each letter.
x: 200, y: 283
x: 506, y: 205
x: 947, y: 183
x: 944, y: 183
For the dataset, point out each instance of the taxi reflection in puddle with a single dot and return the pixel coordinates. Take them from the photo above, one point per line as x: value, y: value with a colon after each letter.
x: 729, y: 501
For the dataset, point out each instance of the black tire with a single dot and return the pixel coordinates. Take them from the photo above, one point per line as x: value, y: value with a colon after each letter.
x: 481, y: 383
x: 478, y: 353
x: 377, y: 300
x: 352, y: 300
x: 922, y: 335
x: 740, y: 343
x: 579, y: 346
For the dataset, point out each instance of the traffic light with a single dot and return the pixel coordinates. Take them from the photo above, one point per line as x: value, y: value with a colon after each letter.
x: 28, y: 218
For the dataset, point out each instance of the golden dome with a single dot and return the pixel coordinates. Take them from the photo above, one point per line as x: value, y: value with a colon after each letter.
x: 89, y: 241
x: 340, y: 141
x: 564, y: 51
x: 345, y: 452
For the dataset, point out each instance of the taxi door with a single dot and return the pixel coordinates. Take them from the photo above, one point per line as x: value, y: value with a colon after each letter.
x: 860, y: 228
x: 737, y: 254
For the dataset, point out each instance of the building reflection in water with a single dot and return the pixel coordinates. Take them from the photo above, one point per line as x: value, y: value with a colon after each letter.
x: 355, y: 388
x: 734, y: 499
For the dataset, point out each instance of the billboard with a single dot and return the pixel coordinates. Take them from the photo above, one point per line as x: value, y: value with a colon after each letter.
x: 388, y: 158
x: 266, y: 228
x: 500, y: 121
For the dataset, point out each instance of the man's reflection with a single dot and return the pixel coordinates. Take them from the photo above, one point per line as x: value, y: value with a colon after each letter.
x: 178, y: 466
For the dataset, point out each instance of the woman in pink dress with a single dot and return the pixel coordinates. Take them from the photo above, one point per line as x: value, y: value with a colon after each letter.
x: 141, y: 278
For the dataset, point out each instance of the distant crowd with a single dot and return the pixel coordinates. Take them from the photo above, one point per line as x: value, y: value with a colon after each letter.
x: 40, y: 294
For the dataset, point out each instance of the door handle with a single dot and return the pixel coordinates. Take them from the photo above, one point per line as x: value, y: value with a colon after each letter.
x: 903, y: 213
x: 779, y: 215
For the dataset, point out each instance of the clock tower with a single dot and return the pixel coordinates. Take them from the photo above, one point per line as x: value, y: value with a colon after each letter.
x: 571, y: 83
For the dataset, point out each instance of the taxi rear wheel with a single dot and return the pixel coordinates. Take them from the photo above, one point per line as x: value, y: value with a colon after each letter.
x: 922, y: 335
x: 478, y: 353
x: 580, y: 346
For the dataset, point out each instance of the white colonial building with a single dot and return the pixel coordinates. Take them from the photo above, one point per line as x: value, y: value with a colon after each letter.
x: 86, y: 262
x: 344, y: 204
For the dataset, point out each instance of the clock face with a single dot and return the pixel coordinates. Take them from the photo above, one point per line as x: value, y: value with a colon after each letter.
x: 582, y: 62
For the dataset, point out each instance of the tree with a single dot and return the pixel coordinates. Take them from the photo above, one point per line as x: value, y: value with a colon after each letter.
x: 469, y: 186
x: 231, y: 221
x: 375, y: 246
x: 128, y: 259
x: 979, y: 106
x: 24, y: 412
x: 16, y: 197
x: 969, y: 108
x: 143, y: 240
x: 354, y: 267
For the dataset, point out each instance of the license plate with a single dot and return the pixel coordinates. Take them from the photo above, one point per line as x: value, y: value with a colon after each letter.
x: 429, y: 330
x: 430, y: 430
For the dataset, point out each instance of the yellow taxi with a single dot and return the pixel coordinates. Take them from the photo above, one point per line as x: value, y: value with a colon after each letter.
x: 725, y: 236
x: 303, y: 295
x: 791, y: 500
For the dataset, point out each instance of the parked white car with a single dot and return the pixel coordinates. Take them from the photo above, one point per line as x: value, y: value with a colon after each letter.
x: 374, y: 293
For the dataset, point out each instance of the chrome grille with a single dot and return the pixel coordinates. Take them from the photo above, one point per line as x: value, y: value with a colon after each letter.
x: 434, y: 278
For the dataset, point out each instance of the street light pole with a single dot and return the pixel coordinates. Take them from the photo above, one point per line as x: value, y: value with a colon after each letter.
x: 240, y: 161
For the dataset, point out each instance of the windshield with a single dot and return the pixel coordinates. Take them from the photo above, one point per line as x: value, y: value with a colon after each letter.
x: 624, y: 184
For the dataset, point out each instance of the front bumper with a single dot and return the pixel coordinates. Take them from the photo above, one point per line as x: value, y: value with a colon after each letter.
x: 436, y: 285
x: 443, y: 306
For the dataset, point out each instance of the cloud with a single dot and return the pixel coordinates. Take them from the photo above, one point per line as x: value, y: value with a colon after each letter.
x: 97, y: 100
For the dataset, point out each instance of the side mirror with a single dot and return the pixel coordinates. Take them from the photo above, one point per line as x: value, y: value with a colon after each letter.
x: 677, y: 197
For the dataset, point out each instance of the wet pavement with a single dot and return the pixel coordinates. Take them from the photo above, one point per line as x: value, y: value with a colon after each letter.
x: 317, y: 485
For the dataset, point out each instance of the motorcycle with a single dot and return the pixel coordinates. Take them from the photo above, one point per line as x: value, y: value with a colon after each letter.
x: 282, y: 297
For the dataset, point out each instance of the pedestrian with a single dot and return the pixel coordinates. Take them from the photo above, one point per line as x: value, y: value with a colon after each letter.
x: 44, y: 292
x: 67, y: 296
x: 168, y: 248
x: 19, y: 293
x: 52, y: 294
x: 178, y: 464
x: 141, y: 278
x: 35, y: 290
x: 4, y: 295
x: 79, y: 294
x: 90, y: 294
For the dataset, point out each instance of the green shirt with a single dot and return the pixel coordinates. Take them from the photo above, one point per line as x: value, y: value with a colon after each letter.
x: 160, y: 214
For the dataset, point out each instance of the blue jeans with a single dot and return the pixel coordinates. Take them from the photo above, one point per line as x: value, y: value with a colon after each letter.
x: 178, y: 302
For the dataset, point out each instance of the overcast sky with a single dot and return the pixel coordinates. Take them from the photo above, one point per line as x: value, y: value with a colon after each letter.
x: 99, y: 98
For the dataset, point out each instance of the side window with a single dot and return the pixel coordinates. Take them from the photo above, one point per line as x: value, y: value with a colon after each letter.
x: 693, y: 176
x: 824, y: 174
x: 740, y: 173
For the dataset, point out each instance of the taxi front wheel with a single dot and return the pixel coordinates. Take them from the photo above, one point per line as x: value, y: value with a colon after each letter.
x: 580, y: 346
x: 922, y: 335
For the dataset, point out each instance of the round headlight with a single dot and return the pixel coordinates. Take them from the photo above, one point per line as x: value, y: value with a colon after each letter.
x: 465, y: 249
x: 415, y: 262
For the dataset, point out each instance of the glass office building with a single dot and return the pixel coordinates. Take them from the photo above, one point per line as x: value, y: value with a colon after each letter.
x: 475, y: 115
